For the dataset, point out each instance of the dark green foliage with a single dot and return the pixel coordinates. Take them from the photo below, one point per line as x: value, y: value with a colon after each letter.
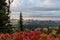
x: 5, y: 26
x: 58, y: 32
x: 21, y: 22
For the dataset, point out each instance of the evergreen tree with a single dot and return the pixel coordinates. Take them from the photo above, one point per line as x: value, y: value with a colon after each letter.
x: 21, y: 22
x: 5, y: 26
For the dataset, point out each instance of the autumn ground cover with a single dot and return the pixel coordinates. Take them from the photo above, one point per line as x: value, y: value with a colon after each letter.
x: 34, y: 35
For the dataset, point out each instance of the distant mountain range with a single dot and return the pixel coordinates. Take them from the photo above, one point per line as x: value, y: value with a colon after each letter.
x: 32, y: 24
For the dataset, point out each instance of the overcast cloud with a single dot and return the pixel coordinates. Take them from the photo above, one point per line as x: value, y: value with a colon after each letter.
x: 35, y: 8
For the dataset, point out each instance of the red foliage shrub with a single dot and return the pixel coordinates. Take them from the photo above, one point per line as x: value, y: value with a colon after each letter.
x: 34, y: 35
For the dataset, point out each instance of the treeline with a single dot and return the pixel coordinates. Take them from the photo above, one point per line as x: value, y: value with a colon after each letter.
x: 5, y: 24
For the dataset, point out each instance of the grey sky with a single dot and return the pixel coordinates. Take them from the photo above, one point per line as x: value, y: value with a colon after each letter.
x: 35, y: 8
